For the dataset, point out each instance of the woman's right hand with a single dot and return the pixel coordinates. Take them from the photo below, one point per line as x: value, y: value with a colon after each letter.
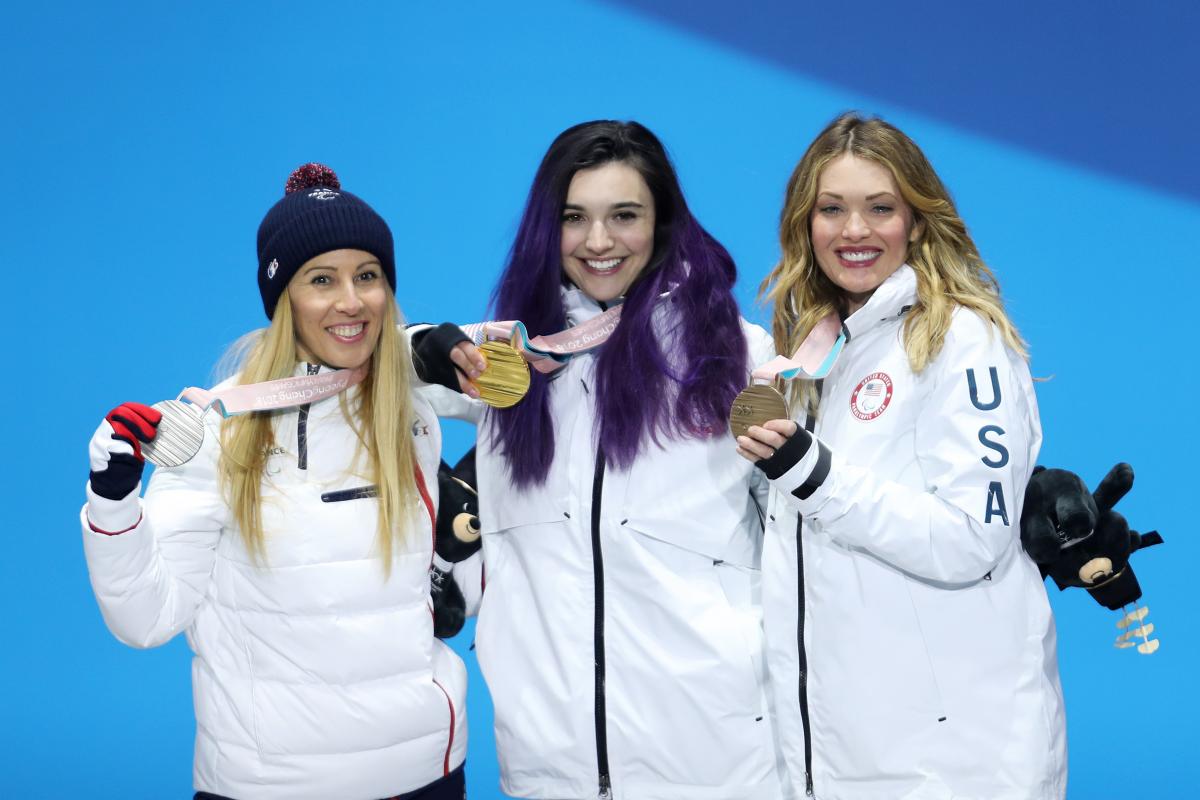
x: 116, y: 449
x: 762, y: 442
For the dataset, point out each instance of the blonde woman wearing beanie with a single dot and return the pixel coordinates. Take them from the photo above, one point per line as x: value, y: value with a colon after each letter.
x: 294, y: 548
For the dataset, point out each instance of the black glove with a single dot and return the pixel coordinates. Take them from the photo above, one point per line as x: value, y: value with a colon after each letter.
x: 431, y: 354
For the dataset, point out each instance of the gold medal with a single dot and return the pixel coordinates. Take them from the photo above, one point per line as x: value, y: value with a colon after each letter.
x: 754, y: 405
x: 505, y: 380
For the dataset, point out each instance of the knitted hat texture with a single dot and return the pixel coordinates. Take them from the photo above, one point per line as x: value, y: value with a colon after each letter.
x: 316, y: 216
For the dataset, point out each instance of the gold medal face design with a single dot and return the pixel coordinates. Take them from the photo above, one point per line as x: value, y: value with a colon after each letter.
x: 506, y: 379
x: 755, y: 405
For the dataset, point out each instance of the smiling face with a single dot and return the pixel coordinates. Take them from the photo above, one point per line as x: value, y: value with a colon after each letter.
x: 861, y: 226
x: 607, y: 229
x: 338, y: 303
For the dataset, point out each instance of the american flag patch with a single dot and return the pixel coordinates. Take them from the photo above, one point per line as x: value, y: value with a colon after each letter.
x: 872, y: 396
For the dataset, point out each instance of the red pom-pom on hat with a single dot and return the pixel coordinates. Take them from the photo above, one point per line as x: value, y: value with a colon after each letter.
x: 310, y: 175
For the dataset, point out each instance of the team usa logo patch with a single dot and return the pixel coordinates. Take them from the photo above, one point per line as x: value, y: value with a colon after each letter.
x: 872, y: 396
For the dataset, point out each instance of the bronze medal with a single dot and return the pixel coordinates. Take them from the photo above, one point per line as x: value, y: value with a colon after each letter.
x: 180, y: 434
x: 755, y: 405
x: 506, y: 379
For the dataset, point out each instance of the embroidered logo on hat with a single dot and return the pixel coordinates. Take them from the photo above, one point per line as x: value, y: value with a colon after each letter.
x: 316, y: 216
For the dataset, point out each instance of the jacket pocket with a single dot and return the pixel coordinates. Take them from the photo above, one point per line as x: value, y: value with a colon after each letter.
x: 697, y: 496
x: 503, y: 506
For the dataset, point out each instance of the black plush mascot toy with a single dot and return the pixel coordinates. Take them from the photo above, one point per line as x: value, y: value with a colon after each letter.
x: 1077, y: 538
x: 457, y: 538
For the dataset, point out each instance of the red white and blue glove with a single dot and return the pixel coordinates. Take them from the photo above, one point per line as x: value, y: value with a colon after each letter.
x: 116, y: 449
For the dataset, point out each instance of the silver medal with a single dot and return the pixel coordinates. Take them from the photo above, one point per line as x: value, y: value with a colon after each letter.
x: 180, y: 434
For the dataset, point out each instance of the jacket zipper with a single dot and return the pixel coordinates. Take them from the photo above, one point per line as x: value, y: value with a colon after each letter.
x: 302, y: 426
x: 598, y: 642
x: 810, y: 424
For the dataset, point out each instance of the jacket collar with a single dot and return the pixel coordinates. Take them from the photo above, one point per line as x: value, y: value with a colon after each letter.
x: 892, y: 300
x: 580, y: 307
x: 307, y: 368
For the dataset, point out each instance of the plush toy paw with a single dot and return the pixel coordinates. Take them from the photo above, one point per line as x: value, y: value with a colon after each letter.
x: 1077, y: 538
x: 449, y: 605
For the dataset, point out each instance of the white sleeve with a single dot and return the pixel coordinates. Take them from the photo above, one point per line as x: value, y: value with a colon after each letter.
x: 449, y: 404
x: 150, y: 579
x: 761, y: 349
x: 760, y: 346
x: 976, y: 440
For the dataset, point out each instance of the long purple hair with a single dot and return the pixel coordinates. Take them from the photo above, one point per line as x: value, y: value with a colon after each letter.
x: 643, y: 393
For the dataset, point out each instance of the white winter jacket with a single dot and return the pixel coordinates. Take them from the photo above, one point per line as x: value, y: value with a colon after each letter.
x: 314, y: 677
x: 911, y: 645
x: 620, y: 630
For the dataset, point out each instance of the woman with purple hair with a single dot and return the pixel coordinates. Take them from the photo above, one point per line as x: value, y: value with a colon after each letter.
x: 620, y: 630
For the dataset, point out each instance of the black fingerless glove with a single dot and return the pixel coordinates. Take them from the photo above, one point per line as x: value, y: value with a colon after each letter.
x: 431, y: 350
x: 788, y: 456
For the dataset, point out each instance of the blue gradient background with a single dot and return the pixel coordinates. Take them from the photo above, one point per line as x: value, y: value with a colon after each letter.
x: 144, y: 141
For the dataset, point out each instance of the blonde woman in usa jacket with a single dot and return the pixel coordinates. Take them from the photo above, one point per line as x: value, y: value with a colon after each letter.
x: 911, y: 646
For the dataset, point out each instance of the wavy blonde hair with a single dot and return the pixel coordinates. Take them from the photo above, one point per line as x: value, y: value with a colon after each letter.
x: 381, y: 417
x: 949, y: 270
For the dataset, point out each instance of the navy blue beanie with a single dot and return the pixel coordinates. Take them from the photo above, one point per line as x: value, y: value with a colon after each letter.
x: 316, y: 216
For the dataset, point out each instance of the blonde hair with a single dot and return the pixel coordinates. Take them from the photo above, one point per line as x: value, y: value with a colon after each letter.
x: 949, y: 269
x: 381, y: 418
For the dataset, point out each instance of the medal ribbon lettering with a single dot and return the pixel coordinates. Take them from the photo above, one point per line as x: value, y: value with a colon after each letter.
x: 270, y: 395
x: 549, y: 353
x: 181, y: 430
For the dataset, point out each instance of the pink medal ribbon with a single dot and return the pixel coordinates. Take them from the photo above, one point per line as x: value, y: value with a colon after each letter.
x: 549, y: 353
x: 813, y: 359
x: 270, y: 395
x: 181, y: 429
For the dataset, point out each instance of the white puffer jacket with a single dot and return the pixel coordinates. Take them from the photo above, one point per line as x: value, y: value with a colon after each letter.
x: 620, y: 629
x: 314, y: 677
x: 911, y: 644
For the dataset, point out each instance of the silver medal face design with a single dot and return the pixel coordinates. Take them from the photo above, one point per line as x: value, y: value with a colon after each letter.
x: 180, y: 434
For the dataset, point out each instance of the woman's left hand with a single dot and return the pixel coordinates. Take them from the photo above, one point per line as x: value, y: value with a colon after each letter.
x: 446, y: 356
x: 761, y: 441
